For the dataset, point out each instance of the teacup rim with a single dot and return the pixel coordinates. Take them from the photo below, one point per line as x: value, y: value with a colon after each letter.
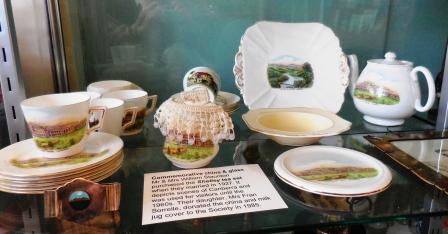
x: 101, y: 82
x: 143, y: 92
x: 118, y: 102
x: 28, y: 103
x: 92, y: 94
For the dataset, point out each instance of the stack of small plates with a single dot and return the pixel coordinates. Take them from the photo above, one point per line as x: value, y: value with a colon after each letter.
x: 24, y: 171
x: 230, y: 102
x: 366, y: 175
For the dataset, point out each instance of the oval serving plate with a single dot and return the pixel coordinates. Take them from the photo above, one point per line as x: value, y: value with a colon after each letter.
x: 329, y: 205
x: 292, y: 164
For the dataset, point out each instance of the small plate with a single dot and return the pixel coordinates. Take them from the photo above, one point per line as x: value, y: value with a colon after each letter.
x: 103, y: 146
x: 295, y: 126
x: 318, y: 157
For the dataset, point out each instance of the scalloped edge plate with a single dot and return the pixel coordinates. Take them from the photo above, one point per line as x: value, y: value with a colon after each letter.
x: 265, y: 40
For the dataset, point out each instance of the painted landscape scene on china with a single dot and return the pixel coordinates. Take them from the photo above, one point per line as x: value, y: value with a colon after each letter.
x: 376, y: 94
x: 290, y: 75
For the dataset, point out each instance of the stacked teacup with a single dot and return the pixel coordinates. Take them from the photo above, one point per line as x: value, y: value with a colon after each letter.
x: 63, y: 146
x: 126, y: 106
x: 58, y: 122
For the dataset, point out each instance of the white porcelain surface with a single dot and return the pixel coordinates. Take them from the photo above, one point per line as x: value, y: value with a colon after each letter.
x: 431, y: 152
x: 53, y: 111
x: 92, y: 95
x: 291, y: 44
x: 96, y: 142
x: 110, y: 85
x: 207, y: 70
x: 113, y: 116
x: 131, y: 98
x: 314, y: 156
x: 137, y: 99
x: 387, y: 91
x: 295, y: 126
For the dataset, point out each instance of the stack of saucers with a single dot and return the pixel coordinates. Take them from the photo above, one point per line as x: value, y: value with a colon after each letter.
x: 23, y: 170
x: 230, y: 102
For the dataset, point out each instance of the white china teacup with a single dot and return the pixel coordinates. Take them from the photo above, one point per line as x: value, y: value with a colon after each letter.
x: 58, y: 122
x: 137, y: 99
x: 105, y: 86
x: 113, y: 117
x: 91, y: 94
x: 202, y: 78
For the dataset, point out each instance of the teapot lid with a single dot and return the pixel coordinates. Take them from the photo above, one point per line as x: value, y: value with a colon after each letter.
x: 389, y: 59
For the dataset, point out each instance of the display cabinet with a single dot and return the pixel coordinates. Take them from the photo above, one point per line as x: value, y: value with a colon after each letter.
x: 69, y: 44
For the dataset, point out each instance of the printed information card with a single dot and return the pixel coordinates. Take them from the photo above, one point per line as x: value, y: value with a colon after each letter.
x: 187, y: 194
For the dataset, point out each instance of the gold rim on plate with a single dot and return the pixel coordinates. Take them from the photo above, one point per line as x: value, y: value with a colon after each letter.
x: 55, y: 180
x: 41, y: 190
x: 68, y: 173
x: 54, y: 185
x: 110, y: 144
x: 331, y: 194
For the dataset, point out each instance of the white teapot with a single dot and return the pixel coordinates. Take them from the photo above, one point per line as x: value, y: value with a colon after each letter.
x: 387, y: 91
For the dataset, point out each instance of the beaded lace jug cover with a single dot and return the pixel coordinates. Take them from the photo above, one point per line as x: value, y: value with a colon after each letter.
x: 189, y: 115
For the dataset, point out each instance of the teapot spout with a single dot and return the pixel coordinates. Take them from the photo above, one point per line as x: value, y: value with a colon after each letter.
x: 354, y: 72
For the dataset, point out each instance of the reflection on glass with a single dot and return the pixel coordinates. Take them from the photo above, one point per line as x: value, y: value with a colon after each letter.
x: 106, y: 222
x: 185, y: 155
x: 432, y: 153
x: 154, y: 42
x: 4, y: 137
x: 20, y: 214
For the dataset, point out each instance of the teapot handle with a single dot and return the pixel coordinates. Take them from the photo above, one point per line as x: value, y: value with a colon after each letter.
x: 431, y: 88
x: 354, y: 72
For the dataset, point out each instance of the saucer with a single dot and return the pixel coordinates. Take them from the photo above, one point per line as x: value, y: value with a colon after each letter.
x: 23, y: 160
x: 228, y: 101
x: 39, y: 181
x: 94, y: 176
x: 41, y: 189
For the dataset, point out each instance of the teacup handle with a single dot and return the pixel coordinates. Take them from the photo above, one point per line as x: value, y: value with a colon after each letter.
x: 153, y: 99
x: 92, y: 110
x: 431, y: 89
x: 133, y: 111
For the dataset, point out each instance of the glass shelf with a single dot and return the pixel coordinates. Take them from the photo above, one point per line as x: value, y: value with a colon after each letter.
x: 396, y: 203
x: 152, y: 136
x: 153, y: 44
